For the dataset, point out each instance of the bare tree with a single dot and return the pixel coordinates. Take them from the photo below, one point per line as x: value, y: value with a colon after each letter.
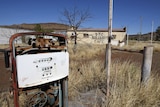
x: 74, y: 18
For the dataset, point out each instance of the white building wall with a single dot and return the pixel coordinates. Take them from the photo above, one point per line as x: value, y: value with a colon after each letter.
x: 6, y: 33
x: 98, y: 37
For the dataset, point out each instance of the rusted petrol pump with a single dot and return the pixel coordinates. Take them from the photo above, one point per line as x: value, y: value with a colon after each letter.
x: 40, y: 68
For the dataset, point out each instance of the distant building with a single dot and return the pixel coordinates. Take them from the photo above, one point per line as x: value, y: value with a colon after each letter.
x: 86, y: 35
x: 6, y: 33
x: 98, y: 36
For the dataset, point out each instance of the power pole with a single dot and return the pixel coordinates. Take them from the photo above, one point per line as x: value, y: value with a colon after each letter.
x: 140, y: 29
x: 152, y: 32
x: 108, y: 47
x: 127, y: 35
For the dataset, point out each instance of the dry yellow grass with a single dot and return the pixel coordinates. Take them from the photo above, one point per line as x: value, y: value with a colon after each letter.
x: 136, y: 46
x: 126, y: 89
x: 87, y: 73
x: 4, y: 46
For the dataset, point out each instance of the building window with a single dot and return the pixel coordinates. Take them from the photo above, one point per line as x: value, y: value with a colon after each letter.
x: 72, y: 36
x: 85, y: 35
x: 114, y: 36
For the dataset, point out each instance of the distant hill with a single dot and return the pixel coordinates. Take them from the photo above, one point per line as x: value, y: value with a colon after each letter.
x: 45, y: 26
x: 143, y: 37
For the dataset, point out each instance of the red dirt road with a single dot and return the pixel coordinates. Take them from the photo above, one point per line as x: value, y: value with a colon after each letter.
x: 4, y: 75
x: 138, y: 58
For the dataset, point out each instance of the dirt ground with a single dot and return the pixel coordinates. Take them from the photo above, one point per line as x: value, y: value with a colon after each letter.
x: 116, y: 55
x: 138, y: 58
x: 4, y: 75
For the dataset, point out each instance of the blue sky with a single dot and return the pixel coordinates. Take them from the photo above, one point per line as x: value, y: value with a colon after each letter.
x: 136, y: 15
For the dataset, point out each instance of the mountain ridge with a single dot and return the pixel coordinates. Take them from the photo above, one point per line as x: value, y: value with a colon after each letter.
x: 31, y: 26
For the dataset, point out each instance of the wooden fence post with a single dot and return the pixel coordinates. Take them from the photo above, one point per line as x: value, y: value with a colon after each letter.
x: 147, y: 63
x: 108, y: 66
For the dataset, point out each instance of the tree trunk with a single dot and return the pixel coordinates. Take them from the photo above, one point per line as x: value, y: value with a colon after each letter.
x: 75, y: 41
